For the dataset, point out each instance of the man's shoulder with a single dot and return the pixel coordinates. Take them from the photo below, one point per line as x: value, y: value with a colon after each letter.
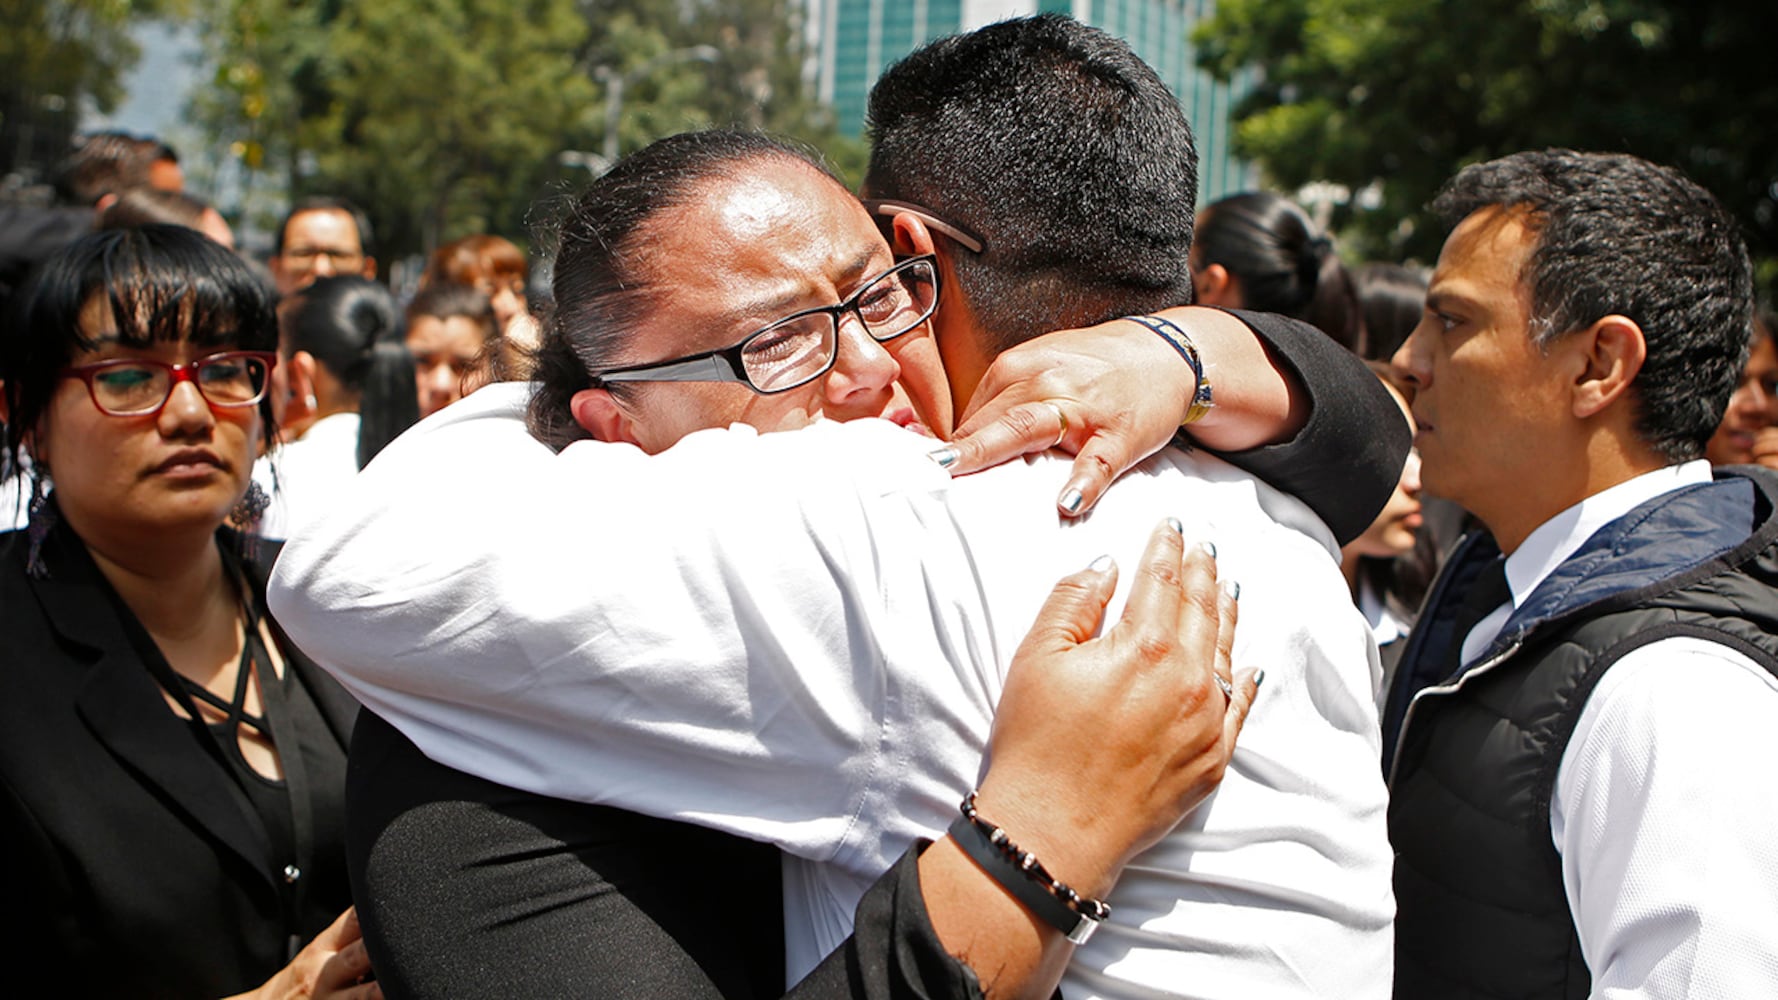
x: 1237, y: 492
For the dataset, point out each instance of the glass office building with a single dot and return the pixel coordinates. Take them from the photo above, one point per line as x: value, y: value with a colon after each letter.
x: 853, y: 40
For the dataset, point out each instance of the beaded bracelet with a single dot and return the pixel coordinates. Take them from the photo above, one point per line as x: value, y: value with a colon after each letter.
x: 1021, y: 874
x: 1202, y: 397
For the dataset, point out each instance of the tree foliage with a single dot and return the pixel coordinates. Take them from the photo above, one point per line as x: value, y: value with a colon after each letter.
x: 444, y: 117
x: 1401, y: 93
x: 55, y: 56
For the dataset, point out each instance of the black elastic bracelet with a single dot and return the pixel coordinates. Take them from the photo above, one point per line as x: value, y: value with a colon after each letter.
x: 1022, y: 875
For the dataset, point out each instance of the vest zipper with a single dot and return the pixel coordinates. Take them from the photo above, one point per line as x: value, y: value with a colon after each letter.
x: 1407, y: 718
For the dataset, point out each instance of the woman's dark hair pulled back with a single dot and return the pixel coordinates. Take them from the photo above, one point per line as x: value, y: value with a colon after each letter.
x: 1284, y: 262
x: 1393, y: 298
x: 601, y: 283
x: 353, y: 329
x: 161, y: 284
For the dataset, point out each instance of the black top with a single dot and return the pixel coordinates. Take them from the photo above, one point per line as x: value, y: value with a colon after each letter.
x: 136, y: 856
x: 1347, y: 460
x: 470, y: 889
x: 1482, y: 908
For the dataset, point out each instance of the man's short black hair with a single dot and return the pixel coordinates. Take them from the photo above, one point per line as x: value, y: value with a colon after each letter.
x: 328, y: 203
x: 102, y: 163
x: 1059, y: 147
x: 1617, y: 235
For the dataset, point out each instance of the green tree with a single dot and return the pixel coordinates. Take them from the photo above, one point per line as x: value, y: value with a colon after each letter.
x: 55, y: 56
x: 1401, y: 93
x: 760, y: 79
x: 444, y: 117
x: 438, y: 117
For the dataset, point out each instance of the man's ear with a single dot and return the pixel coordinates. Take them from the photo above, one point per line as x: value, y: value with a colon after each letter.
x: 370, y: 268
x: 599, y: 414
x: 1609, y: 354
x: 909, y: 236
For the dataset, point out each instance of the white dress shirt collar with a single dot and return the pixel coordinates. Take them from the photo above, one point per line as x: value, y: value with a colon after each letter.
x: 1558, y: 538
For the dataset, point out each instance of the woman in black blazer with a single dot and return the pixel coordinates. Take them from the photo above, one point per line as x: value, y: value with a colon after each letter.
x: 171, y: 768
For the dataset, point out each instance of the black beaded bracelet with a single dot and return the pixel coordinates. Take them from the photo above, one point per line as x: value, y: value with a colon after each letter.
x: 1202, y: 396
x: 1021, y: 874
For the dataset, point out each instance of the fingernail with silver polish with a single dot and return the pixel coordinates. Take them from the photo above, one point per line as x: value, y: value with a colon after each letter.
x: 1232, y: 588
x: 945, y: 457
x: 1102, y: 564
x: 1209, y: 547
x: 1173, y: 522
x: 1071, y: 500
x: 1259, y: 678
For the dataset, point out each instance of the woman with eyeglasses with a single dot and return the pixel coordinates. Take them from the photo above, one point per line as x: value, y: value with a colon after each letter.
x: 172, y: 767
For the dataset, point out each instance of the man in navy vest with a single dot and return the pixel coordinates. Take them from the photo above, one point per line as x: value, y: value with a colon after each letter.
x: 1585, y: 722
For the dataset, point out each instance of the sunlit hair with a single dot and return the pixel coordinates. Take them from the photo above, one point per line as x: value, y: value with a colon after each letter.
x: 161, y: 284
x: 473, y: 259
x: 103, y: 163
x: 144, y: 205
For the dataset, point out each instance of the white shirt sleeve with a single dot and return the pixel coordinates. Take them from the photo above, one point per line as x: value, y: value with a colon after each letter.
x: 679, y: 642
x: 1664, y: 816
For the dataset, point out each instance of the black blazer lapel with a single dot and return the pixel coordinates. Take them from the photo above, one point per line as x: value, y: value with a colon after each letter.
x: 126, y: 711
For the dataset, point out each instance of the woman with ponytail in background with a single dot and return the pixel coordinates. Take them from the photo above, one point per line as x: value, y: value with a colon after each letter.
x: 1260, y: 251
x: 343, y: 342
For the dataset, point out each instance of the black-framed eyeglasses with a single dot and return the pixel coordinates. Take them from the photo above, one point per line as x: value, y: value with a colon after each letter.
x: 802, y: 347
x: 887, y: 209
x: 132, y: 387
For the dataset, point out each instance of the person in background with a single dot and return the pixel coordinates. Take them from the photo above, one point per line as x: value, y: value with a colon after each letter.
x: 342, y: 340
x: 489, y: 264
x: 1391, y: 297
x: 101, y: 166
x: 1584, y: 720
x: 173, y: 818
x: 164, y: 171
x: 1260, y: 251
x: 1386, y: 567
x: 1748, y: 434
x: 452, y: 333
x: 318, y: 237
x: 495, y: 267
x: 140, y: 206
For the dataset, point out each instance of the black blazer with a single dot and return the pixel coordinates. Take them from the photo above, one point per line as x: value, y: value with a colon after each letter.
x: 132, y: 859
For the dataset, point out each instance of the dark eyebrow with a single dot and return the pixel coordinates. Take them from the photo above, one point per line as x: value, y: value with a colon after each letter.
x: 1437, y: 299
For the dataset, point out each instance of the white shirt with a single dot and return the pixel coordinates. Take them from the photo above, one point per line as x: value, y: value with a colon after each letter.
x: 1386, y: 625
x: 15, y: 503
x: 311, y: 472
x: 1662, y: 811
x: 800, y: 638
